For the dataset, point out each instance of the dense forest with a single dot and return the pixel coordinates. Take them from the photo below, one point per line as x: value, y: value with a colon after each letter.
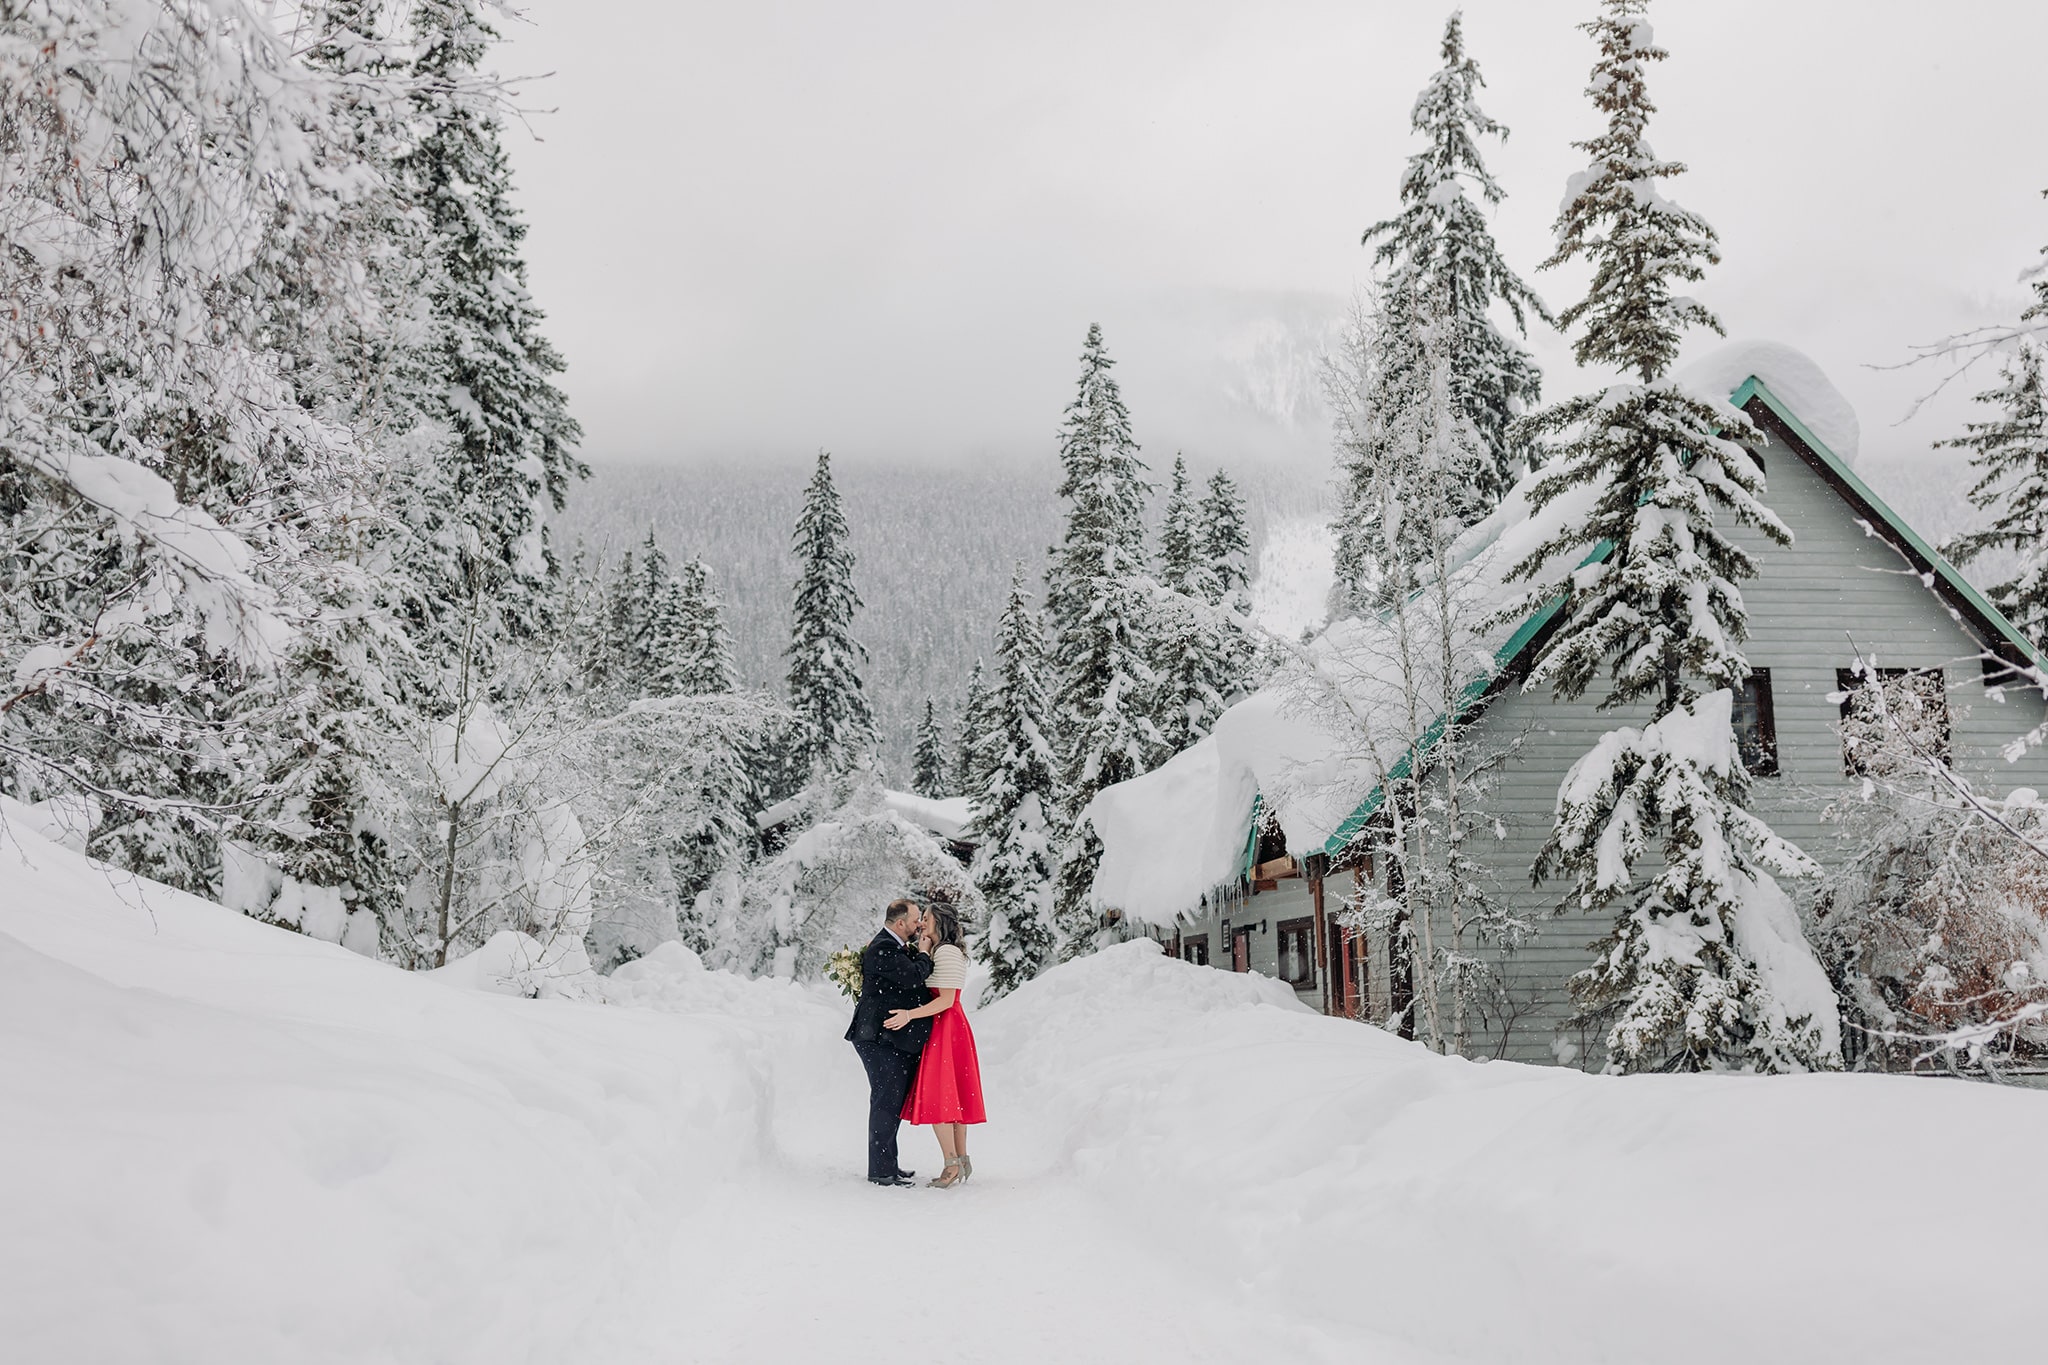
x: 934, y: 548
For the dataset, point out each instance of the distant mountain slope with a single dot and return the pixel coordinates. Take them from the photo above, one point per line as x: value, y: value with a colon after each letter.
x: 936, y: 547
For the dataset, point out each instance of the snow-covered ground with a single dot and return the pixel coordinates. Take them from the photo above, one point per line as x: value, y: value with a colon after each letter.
x: 228, y: 1143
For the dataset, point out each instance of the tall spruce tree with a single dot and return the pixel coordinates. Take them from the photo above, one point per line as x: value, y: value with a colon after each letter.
x: 1440, y: 255
x: 1372, y: 385
x: 481, y: 531
x: 656, y: 619
x: 1096, y: 608
x: 2010, y: 453
x: 930, y: 775
x: 1224, y: 544
x: 1178, y: 567
x: 1673, y: 983
x: 974, y: 728
x: 1201, y: 660
x: 1016, y: 807
x: 701, y: 652
x: 836, y: 725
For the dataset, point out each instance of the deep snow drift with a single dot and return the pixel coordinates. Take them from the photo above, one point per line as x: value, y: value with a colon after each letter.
x: 229, y: 1143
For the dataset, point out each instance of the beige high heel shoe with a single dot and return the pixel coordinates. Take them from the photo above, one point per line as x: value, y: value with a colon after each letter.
x: 966, y: 1167
x: 951, y: 1176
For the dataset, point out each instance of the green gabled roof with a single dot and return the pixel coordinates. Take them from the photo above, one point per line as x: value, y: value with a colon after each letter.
x: 1966, y: 598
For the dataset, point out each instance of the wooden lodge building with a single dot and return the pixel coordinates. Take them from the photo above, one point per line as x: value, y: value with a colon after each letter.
x: 1239, y: 853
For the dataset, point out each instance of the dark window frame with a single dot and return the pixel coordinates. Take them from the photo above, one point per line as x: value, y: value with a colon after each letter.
x: 1849, y: 680
x: 1305, y: 928
x: 1194, y: 949
x: 1758, y: 685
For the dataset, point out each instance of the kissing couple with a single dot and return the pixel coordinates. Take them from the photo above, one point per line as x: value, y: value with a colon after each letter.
x: 911, y: 1032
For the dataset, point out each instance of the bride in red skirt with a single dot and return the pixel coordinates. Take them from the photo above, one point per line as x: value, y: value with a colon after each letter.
x: 947, y: 1091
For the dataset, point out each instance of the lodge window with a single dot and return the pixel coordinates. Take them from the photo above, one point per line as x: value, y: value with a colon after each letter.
x: 2000, y: 672
x: 1890, y: 717
x: 1195, y: 948
x: 1756, y: 724
x: 1297, y: 952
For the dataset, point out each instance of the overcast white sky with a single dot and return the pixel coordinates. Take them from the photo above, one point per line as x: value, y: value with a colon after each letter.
x: 759, y: 228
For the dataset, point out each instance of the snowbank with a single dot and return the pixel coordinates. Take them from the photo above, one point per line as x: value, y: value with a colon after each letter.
x: 1502, y: 1212
x: 226, y: 1142
x: 229, y: 1142
x: 1797, y: 382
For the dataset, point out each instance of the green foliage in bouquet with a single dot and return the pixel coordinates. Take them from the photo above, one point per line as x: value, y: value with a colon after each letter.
x: 843, y: 969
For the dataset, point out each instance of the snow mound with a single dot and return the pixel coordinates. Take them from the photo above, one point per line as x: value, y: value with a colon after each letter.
x: 1504, y: 1212
x: 230, y: 1142
x: 676, y: 979
x: 1796, y: 380
x: 1140, y: 973
x: 227, y: 1142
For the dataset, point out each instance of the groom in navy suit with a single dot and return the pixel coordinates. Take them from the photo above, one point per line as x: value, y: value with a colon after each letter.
x: 893, y: 969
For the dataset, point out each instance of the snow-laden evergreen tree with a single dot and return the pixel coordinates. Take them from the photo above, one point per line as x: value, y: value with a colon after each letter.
x: 1674, y: 983
x: 1016, y: 807
x: 662, y: 647
x: 1183, y: 636
x: 930, y: 772
x: 177, y: 190
x: 1439, y: 254
x: 1179, y: 570
x: 1200, y: 654
x: 2010, y: 454
x: 1225, y: 545
x: 850, y: 855
x: 837, y: 727
x: 509, y: 457
x: 974, y: 727
x: 700, y: 661
x: 322, y: 776
x: 1096, y: 609
x: 1372, y: 383
x: 654, y: 606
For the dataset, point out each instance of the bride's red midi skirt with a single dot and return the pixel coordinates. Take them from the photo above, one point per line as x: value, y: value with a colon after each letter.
x: 948, y: 1086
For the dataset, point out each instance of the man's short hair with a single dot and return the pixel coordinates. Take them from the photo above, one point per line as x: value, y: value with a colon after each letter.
x: 898, y: 909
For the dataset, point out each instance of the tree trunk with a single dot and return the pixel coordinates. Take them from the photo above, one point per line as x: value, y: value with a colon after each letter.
x: 447, y: 884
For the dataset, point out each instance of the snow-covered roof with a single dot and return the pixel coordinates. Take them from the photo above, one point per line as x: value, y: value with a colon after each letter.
x: 1316, y: 754
x: 1797, y: 382
x: 945, y: 816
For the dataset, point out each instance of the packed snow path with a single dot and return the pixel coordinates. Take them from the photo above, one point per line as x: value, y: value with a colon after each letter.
x: 821, y: 1268
x: 227, y: 1143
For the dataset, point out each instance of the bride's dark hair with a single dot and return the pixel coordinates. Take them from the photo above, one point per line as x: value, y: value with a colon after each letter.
x: 946, y: 926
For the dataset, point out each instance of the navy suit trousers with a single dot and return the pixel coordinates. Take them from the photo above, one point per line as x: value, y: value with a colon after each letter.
x: 890, y: 1073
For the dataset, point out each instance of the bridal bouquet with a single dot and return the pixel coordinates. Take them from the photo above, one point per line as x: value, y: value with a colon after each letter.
x: 843, y: 969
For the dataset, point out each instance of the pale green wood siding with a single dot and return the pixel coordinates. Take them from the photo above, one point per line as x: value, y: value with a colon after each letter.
x: 1832, y: 584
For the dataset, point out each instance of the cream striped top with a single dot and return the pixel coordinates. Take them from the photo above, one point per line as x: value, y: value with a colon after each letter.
x: 949, y: 969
